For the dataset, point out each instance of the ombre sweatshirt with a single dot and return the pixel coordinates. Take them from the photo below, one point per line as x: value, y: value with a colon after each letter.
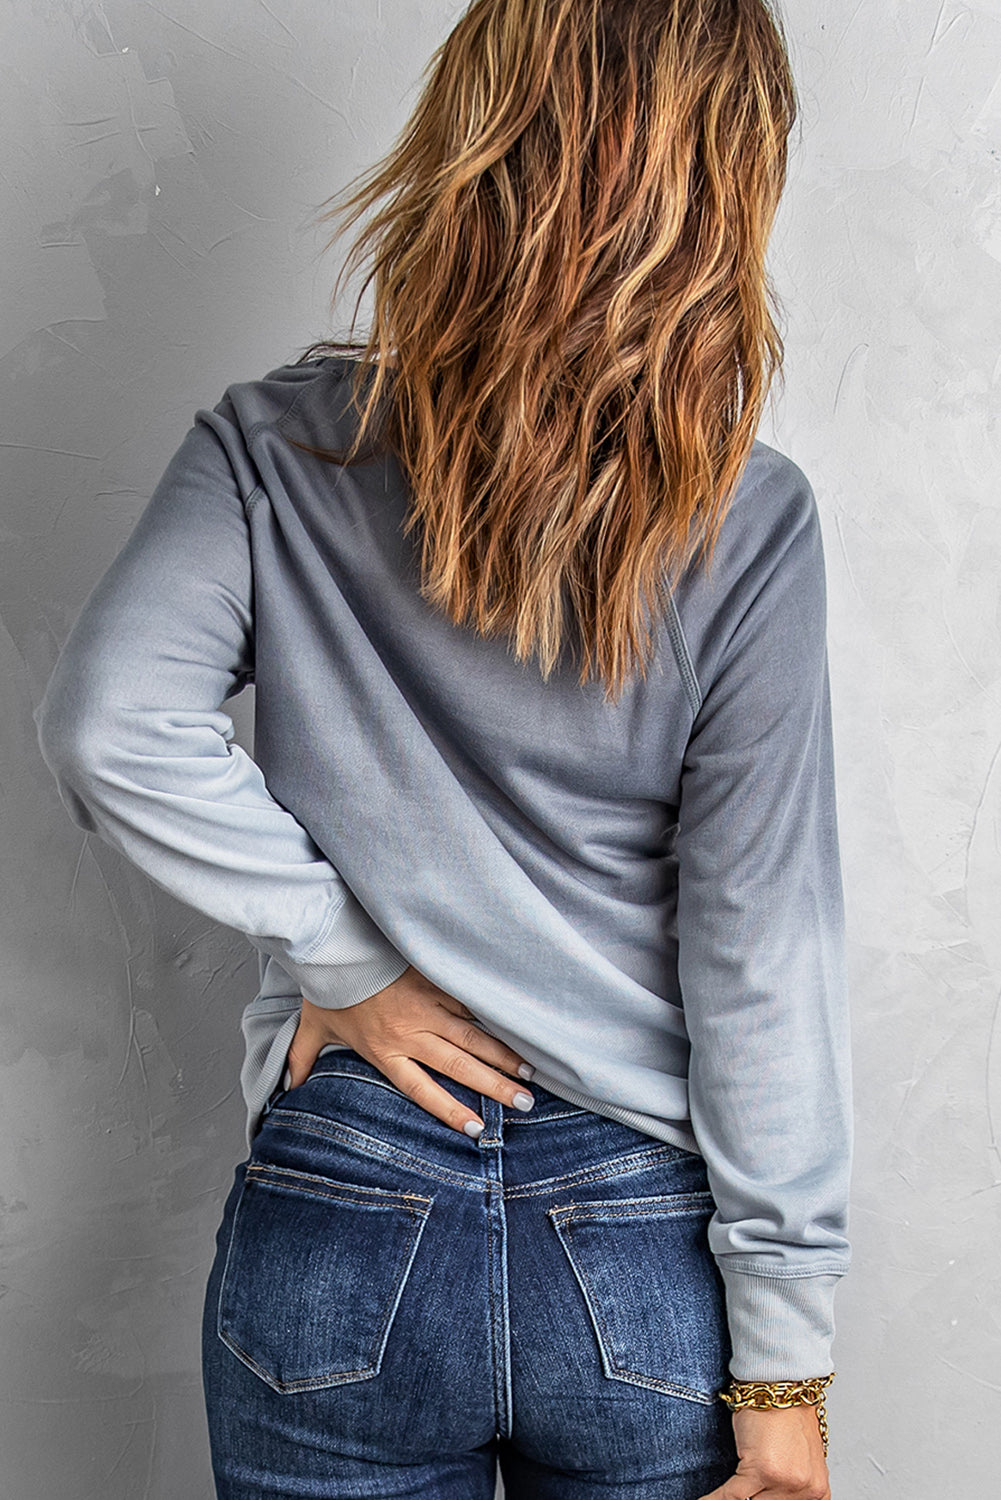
x: 642, y: 898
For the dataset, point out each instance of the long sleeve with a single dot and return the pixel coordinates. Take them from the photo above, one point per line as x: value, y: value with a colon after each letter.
x: 132, y: 727
x: 761, y: 962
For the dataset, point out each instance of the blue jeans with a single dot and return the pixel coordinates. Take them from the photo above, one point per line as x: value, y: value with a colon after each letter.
x: 394, y: 1309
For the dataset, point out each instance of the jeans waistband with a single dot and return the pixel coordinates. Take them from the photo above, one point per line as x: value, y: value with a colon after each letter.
x: 492, y: 1112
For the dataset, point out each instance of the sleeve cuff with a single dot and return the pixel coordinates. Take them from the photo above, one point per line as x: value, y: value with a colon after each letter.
x: 781, y: 1327
x: 336, y: 986
x: 351, y: 960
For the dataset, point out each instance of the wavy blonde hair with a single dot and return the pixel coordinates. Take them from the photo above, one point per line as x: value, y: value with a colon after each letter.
x: 572, y: 340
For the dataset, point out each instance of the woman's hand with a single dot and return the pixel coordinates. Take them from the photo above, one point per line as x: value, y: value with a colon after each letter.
x: 410, y: 1020
x: 781, y: 1456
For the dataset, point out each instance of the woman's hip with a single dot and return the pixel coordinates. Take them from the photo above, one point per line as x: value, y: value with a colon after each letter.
x: 420, y: 1292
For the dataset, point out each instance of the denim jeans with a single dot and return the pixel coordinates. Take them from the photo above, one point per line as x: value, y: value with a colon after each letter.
x: 395, y: 1309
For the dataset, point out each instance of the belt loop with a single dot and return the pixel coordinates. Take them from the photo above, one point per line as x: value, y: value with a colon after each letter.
x: 492, y: 1114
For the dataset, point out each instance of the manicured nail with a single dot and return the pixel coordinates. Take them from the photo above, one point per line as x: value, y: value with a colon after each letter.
x: 473, y: 1128
x: 287, y: 1080
x: 526, y: 1071
x: 522, y: 1101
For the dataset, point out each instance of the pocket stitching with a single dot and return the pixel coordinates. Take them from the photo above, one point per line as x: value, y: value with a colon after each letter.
x: 296, y: 1181
x: 308, y: 1382
x: 629, y: 1164
x: 373, y: 1147
x: 658, y: 1206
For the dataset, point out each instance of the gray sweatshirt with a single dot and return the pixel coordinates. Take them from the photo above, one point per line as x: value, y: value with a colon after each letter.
x: 643, y: 899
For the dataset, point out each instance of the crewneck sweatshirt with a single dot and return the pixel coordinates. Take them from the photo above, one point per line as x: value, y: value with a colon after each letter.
x: 642, y: 898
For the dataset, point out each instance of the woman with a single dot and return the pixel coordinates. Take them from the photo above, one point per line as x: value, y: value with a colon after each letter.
x: 542, y: 789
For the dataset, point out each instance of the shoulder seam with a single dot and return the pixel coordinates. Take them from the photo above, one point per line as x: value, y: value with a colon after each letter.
x: 682, y: 655
x: 276, y: 423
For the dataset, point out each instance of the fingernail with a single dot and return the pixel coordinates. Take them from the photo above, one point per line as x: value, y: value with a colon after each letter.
x: 526, y: 1071
x: 522, y: 1101
x: 473, y: 1128
x: 287, y: 1080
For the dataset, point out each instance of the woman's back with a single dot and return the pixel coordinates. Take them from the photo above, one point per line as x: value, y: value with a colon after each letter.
x: 600, y: 883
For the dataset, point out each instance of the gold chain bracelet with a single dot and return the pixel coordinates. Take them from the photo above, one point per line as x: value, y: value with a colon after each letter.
x: 764, y: 1394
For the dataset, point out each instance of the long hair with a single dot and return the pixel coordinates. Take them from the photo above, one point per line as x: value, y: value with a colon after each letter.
x: 572, y: 339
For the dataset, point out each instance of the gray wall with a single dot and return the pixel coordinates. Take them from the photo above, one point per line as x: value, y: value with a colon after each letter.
x: 161, y: 167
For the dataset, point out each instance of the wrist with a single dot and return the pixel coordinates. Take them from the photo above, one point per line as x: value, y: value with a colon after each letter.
x: 770, y: 1395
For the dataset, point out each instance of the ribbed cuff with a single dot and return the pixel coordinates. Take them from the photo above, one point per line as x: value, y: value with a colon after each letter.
x: 336, y: 986
x: 781, y: 1327
x: 350, y: 960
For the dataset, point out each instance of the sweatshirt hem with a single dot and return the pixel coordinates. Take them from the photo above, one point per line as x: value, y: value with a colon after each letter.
x: 673, y: 1132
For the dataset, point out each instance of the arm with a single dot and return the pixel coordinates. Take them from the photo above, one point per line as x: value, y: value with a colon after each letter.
x: 760, y: 925
x: 132, y: 728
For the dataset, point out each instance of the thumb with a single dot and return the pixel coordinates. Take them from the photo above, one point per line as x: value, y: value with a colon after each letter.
x: 734, y: 1489
x: 301, y: 1056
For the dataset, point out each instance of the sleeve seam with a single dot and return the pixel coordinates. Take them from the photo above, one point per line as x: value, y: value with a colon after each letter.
x: 791, y: 1275
x: 324, y: 932
x: 274, y: 424
x: 256, y: 494
x: 279, y: 422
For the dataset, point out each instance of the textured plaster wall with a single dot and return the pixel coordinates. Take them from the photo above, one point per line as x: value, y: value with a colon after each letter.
x: 160, y: 166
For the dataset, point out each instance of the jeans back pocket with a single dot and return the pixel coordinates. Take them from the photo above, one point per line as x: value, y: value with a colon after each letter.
x: 314, y: 1275
x: 653, y: 1291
